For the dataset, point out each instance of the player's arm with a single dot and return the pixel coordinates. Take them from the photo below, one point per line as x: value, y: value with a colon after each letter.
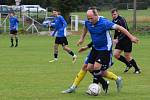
x: 81, y: 40
x: 124, y: 31
x: 64, y: 22
x: 86, y: 47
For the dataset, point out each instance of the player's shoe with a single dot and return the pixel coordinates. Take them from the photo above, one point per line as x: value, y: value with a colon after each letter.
x: 105, y: 87
x: 127, y: 69
x: 137, y: 71
x: 74, y: 59
x: 119, y: 83
x: 69, y: 90
x: 55, y: 59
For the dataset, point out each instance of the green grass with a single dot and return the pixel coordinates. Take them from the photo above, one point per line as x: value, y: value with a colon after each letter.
x: 26, y: 74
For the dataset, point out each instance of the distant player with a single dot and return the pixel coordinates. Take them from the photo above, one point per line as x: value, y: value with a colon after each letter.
x: 13, y: 29
x: 59, y: 24
x: 123, y: 43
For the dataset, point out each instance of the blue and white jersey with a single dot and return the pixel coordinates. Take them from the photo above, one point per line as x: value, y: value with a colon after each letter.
x: 59, y: 25
x: 100, y: 33
x: 13, y: 23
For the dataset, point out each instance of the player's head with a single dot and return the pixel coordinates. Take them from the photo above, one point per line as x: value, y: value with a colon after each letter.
x: 114, y: 13
x: 11, y: 14
x: 92, y: 15
x: 55, y: 12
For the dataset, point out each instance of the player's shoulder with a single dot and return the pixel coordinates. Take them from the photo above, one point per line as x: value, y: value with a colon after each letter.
x: 120, y: 17
x: 60, y: 17
x: 104, y: 20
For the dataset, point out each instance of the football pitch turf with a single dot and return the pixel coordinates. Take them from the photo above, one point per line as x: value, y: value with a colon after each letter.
x: 26, y: 74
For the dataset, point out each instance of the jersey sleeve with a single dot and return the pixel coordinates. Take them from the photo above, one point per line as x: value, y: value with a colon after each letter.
x: 63, y: 22
x: 109, y: 24
x: 85, y: 25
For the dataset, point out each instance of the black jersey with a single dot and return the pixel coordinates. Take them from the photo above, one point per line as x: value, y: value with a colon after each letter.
x: 122, y: 22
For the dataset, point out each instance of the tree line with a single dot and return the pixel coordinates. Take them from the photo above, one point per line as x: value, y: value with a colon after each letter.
x: 67, y: 6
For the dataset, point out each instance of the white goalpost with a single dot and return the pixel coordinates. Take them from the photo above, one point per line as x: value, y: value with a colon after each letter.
x: 74, y: 22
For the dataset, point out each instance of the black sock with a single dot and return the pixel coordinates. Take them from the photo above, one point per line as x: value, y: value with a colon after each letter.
x: 98, y: 78
x: 16, y: 41
x: 123, y: 59
x: 133, y: 62
x: 12, y: 42
x: 71, y: 53
x: 55, y: 55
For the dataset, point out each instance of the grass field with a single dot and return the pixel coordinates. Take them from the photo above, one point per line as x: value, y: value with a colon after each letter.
x: 26, y: 74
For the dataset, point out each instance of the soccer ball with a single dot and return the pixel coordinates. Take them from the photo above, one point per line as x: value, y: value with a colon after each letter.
x: 94, y: 89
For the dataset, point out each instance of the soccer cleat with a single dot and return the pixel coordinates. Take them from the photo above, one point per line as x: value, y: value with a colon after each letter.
x: 105, y: 87
x: 74, y: 59
x: 137, y: 71
x: 55, y: 59
x: 127, y: 69
x: 119, y: 83
x: 69, y: 90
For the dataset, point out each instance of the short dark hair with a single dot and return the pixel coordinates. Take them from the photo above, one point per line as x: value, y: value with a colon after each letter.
x: 94, y: 10
x: 113, y: 10
x: 55, y: 9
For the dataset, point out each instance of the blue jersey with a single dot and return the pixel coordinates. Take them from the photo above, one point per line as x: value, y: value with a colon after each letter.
x: 100, y: 33
x: 59, y: 25
x: 13, y: 23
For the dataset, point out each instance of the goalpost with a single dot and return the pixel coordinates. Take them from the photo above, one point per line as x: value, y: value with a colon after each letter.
x: 74, y: 22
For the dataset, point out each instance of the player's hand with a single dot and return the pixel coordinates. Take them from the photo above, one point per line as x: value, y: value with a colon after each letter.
x: 79, y: 42
x: 134, y: 39
x: 115, y: 41
x: 82, y: 49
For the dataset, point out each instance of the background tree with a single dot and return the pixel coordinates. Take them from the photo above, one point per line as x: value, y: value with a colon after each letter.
x: 65, y: 6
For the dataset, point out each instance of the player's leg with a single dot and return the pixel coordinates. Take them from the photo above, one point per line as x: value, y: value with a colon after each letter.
x: 117, y: 55
x: 67, y: 49
x: 57, y: 42
x: 128, y: 56
x: 98, y: 78
x: 79, y: 77
x: 101, y: 63
x: 11, y: 38
x: 16, y: 39
x: 110, y: 75
x: 55, y: 53
x: 132, y: 62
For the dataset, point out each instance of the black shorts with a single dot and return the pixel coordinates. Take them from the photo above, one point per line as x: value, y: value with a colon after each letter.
x: 61, y: 40
x: 125, y: 45
x: 101, y: 56
x: 14, y: 32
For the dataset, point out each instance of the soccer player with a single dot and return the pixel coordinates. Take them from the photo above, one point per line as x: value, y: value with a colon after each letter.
x: 79, y: 77
x: 98, y: 28
x: 13, y: 29
x: 123, y: 43
x: 59, y: 24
